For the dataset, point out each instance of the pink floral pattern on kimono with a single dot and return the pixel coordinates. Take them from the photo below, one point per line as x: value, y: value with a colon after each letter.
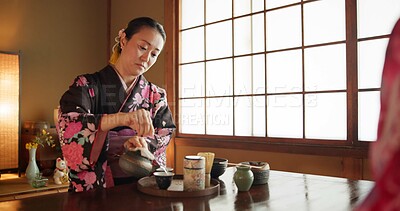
x: 72, y: 129
x: 73, y: 154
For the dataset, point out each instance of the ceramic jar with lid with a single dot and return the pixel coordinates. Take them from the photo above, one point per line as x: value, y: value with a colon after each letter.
x: 194, y: 173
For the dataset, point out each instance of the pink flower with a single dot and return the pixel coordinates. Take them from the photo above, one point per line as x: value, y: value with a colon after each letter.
x: 89, y: 132
x: 91, y: 92
x: 156, y: 97
x: 154, y: 88
x: 120, y: 32
x: 62, y: 121
x: 145, y: 91
x: 78, y: 187
x: 73, y: 127
x: 88, y: 177
x: 145, y: 105
x: 163, y: 132
x: 138, y: 98
x: 73, y: 153
x: 82, y: 81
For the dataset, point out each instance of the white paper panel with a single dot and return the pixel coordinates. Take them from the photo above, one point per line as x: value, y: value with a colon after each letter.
x: 219, y: 40
x: 243, y: 116
x: 324, y: 21
x: 285, y: 116
x: 368, y: 115
x: 371, y: 57
x: 248, y: 116
x: 241, y: 7
x: 278, y: 3
x: 192, y: 80
x: 259, y: 74
x: 218, y: 10
x: 192, y: 13
x: 377, y: 17
x: 192, y: 118
x: 219, y: 117
x: 283, y: 28
x: 326, y: 116
x: 284, y: 71
x: 243, y: 35
x: 325, y: 68
x: 219, y: 80
x: 192, y: 51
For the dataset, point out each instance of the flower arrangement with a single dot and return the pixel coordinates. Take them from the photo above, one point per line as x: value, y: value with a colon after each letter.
x: 41, y: 138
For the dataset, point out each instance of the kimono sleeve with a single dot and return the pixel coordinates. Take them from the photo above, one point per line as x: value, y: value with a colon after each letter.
x: 77, y: 127
x: 163, y: 124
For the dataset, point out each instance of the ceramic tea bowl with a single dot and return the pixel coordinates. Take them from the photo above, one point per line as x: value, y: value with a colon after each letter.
x: 133, y: 164
x: 218, y: 167
x: 163, y: 179
x: 261, y: 175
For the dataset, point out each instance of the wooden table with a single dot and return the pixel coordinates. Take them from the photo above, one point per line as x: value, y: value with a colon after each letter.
x: 284, y: 191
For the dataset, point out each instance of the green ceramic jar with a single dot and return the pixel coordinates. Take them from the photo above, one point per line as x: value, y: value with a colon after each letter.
x: 243, y: 178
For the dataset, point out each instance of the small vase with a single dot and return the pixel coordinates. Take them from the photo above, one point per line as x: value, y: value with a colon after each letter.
x: 243, y: 178
x: 32, y: 170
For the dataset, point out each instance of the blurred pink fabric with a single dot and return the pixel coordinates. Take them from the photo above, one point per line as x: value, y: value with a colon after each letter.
x: 385, y: 153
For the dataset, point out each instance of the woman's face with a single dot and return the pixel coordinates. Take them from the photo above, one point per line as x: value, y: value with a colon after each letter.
x: 140, y: 52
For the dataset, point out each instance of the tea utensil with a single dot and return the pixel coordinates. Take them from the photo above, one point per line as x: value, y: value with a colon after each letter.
x: 240, y: 164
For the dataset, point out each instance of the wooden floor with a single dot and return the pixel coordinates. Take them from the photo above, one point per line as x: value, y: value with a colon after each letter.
x: 13, y: 187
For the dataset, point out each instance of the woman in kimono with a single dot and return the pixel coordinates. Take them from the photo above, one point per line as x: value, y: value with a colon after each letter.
x: 385, y: 152
x: 99, y: 109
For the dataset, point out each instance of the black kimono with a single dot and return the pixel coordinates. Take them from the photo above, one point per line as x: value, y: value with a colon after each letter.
x: 84, y: 146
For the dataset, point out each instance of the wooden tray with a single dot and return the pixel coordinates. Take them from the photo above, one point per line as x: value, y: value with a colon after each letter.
x: 149, y: 186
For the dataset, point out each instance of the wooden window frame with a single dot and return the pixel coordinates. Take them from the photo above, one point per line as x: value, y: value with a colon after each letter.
x: 351, y: 147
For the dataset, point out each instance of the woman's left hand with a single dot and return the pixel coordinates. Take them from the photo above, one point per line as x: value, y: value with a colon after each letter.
x: 135, y: 142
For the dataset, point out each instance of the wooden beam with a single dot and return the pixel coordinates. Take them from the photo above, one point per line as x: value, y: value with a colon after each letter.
x: 170, y: 50
x: 108, y: 29
x: 351, y: 71
x: 352, y: 168
x: 294, y: 148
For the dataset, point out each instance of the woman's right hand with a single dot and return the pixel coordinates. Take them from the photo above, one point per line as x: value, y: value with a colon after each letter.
x: 138, y: 120
x: 135, y: 142
x: 141, y: 122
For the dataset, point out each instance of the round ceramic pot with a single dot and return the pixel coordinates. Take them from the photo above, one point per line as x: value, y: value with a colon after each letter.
x: 218, y: 168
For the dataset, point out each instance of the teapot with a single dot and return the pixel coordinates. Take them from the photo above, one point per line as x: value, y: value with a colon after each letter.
x: 134, y: 164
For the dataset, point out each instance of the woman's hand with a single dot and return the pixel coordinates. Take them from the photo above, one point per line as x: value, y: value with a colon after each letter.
x: 134, y: 142
x: 140, y: 121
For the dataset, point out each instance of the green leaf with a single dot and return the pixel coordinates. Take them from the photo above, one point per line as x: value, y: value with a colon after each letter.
x: 82, y: 140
